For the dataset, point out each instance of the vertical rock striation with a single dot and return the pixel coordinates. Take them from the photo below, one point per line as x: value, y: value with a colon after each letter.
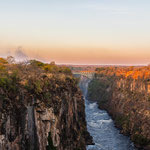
x: 128, y: 101
x: 29, y: 121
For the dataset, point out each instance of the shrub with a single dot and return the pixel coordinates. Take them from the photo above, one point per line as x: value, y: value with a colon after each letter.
x: 140, y: 139
x: 97, y: 90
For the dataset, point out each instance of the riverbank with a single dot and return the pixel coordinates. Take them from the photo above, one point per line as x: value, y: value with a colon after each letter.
x: 101, y: 127
x: 126, y: 99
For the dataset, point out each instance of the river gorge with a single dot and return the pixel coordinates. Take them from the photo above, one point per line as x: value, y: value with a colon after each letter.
x: 45, y: 107
x: 101, y: 126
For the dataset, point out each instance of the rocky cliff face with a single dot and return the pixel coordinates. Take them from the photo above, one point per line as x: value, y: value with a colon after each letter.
x: 43, y: 112
x: 128, y: 101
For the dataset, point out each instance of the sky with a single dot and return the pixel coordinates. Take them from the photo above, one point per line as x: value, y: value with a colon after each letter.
x: 76, y: 31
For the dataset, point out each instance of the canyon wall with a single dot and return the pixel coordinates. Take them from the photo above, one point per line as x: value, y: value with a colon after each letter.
x: 41, y: 108
x: 128, y: 101
x: 29, y: 125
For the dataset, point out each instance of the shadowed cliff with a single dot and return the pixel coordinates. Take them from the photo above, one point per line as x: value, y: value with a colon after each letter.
x: 41, y: 107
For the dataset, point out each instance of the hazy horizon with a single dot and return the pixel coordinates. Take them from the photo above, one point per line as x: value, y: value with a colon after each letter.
x: 98, y: 32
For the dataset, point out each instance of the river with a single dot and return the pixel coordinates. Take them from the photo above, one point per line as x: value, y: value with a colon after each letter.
x: 101, y: 127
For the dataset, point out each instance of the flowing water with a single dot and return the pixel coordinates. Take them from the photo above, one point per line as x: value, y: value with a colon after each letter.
x: 101, y: 127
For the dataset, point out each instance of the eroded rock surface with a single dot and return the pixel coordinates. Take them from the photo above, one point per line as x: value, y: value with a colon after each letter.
x: 27, y: 120
x: 128, y: 101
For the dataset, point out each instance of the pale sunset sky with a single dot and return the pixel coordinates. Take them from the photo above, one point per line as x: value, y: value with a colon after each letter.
x: 76, y: 31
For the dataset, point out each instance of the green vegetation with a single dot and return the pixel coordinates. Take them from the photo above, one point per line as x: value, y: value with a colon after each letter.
x: 97, y: 91
x: 140, y: 139
x: 43, y: 87
x: 123, y: 122
x: 34, y: 79
x: 51, y: 68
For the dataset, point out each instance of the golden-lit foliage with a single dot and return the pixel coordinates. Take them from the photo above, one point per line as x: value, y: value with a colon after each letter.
x: 3, y: 61
x: 126, y: 72
x: 12, y: 73
x: 51, y: 68
x: 34, y: 79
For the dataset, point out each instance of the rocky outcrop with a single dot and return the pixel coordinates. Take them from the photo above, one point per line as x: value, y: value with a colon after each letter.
x: 56, y: 120
x: 128, y: 101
